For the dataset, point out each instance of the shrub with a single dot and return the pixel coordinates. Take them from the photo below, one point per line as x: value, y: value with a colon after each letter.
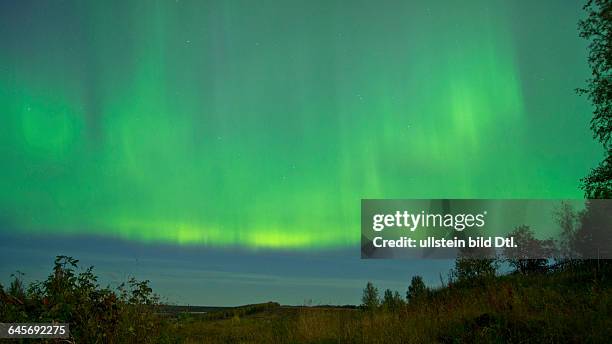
x: 95, y: 314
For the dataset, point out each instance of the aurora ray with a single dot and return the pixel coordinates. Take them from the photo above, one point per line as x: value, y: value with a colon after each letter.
x: 233, y: 124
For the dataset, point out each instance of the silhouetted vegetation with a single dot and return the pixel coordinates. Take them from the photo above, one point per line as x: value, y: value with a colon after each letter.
x: 95, y: 314
x: 559, y: 303
x: 565, y: 299
x: 392, y: 301
x: 370, y: 299
x: 597, y: 29
x: 417, y: 290
x: 528, y: 246
x: 537, y: 300
x: 530, y: 300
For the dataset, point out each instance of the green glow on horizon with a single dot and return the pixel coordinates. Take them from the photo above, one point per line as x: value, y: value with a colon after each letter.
x: 229, y: 124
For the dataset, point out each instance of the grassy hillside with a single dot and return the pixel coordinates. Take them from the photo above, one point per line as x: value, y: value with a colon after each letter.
x: 572, y: 304
x: 562, y: 306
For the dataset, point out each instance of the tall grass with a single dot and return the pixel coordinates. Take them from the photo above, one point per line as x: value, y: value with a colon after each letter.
x: 568, y: 306
x: 571, y: 304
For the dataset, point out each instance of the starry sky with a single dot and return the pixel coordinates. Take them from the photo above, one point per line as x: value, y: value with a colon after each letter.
x: 209, y: 143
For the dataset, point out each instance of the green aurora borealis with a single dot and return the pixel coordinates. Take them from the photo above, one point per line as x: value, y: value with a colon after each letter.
x: 263, y: 124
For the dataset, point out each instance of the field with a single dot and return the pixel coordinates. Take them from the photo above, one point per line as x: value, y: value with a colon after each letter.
x: 568, y: 304
x: 564, y: 306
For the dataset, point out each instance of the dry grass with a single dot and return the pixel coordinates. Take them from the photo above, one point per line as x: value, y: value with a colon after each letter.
x: 573, y: 305
x: 563, y: 307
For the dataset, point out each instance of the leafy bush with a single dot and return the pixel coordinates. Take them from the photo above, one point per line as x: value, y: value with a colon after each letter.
x: 95, y: 314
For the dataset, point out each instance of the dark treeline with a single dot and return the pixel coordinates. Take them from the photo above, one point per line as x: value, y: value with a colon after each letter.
x: 582, y: 233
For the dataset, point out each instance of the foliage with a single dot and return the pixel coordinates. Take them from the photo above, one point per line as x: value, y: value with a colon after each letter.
x: 370, y: 300
x: 567, y: 305
x: 567, y: 219
x: 473, y: 264
x: 392, y: 301
x: 95, y: 314
x: 597, y: 28
x: 473, y: 270
x: 530, y: 254
x: 417, y: 290
x: 593, y: 234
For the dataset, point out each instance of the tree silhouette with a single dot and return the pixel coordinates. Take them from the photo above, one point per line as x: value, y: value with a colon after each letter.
x: 370, y: 300
x: 392, y: 301
x: 416, y: 290
x: 567, y: 218
x: 597, y: 28
x: 530, y: 254
x: 592, y: 239
x: 474, y: 263
x: 469, y: 269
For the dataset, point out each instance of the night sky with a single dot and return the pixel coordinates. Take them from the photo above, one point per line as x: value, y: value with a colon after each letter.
x: 219, y: 146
